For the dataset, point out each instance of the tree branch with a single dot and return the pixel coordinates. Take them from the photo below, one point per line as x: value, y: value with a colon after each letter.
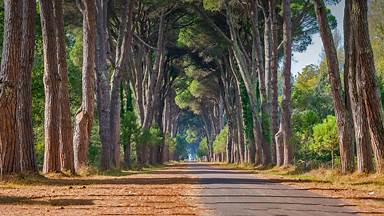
x: 211, y: 23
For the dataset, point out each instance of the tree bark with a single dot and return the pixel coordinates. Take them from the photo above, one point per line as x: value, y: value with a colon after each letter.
x: 352, y: 72
x: 371, y: 96
x: 126, y: 38
x: 65, y: 130
x: 287, y: 92
x: 84, y: 117
x: 24, y: 91
x: 102, y: 83
x: 9, y: 75
x: 257, y: 65
x: 51, y: 88
x: 279, y: 146
x: 342, y: 119
x: 274, y: 88
x: 269, y: 67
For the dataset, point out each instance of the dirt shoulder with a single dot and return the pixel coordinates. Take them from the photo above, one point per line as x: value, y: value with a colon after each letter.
x: 364, y: 192
x: 159, y: 193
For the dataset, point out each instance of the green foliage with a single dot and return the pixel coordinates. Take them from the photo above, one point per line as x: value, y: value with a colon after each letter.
x: 151, y: 137
x: 247, y: 114
x: 220, y: 143
x: 181, y: 151
x: 191, y: 136
x: 171, y: 142
x: 325, y: 138
x: 212, y: 5
x: 203, y: 148
x: 130, y: 129
x: 376, y: 30
x: 76, y: 52
x: 311, y: 103
x: 94, y: 145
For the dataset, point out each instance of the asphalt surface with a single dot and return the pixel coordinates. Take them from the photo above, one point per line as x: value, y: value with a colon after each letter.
x: 232, y: 193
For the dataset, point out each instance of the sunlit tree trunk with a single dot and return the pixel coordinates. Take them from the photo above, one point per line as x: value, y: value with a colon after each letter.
x: 9, y: 75
x: 51, y: 88
x: 24, y: 93
x: 371, y: 96
x: 84, y: 116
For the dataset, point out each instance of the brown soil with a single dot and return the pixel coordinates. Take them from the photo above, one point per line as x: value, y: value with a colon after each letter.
x: 140, y: 194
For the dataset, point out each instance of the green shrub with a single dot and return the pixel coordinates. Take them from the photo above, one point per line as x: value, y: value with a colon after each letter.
x: 203, y: 148
x: 220, y: 143
x: 324, y: 142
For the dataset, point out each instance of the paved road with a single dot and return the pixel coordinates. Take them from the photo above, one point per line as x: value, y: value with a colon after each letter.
x: 231, y: 192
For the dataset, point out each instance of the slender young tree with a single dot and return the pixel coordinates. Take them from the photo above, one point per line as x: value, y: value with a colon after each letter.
x: 24, y: 91
x: 84, y: 117
x: 9, y: 75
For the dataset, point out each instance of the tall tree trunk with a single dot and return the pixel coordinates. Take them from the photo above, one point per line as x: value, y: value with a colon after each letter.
x: 352, y: 75
x: 274, y: 88
x: 126, y: 38
x: 287, y: 92
x: 342, y: 119
x: 268, y: 49
x: 371, y: 97
x: 84, y: 117
x: 9, y: 75
x: 24, y: 91
x: 257, y: 65
x: 51, y: 88
x: 66, y: 139
x: 102, y: 83
x: 250, y: 80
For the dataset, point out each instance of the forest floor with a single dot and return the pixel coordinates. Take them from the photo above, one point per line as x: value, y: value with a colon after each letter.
x: 126, y: 193
x: 366, y: 192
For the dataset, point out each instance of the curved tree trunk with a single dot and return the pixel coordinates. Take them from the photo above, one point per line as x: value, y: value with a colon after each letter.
x: 84, y: 117
x: 9, y: 74
x: 51, y: 87
x: 342, y: 119
x: 24, y: 94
